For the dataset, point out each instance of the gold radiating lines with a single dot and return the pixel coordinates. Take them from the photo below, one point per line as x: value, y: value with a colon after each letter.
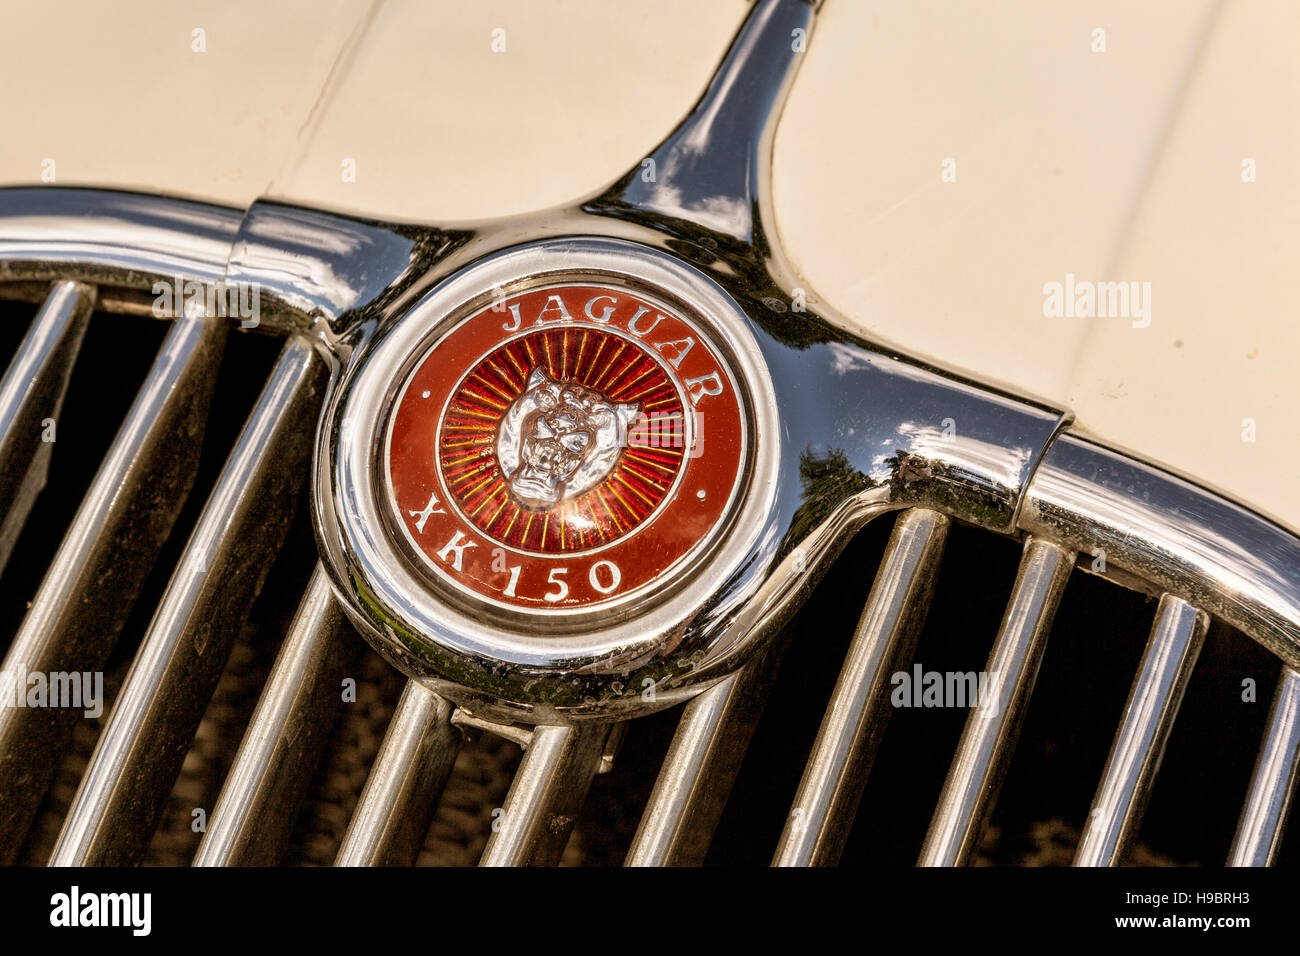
x: 626, y: 497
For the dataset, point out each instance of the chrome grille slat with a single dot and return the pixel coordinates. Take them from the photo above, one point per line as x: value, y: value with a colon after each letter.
x: 1157, y: 692
x: 836, y: 773
x: 405, y: 784
x: 547, y: 792
x: 976, y: 774
x: 1273, y: 784
x: 697, y: 775
x: 251, y: 821
x: 88, y: 591
x: 31, y: 392
x: 181, y: 658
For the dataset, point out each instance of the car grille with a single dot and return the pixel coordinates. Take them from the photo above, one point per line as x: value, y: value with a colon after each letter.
x: 191, y: 548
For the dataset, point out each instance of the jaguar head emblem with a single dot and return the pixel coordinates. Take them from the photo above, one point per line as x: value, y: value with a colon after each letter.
x: 559, y: 439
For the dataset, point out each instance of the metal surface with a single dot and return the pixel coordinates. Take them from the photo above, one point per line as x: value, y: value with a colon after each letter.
x: 31, y: 397
x: 294, y: 717
x: 993, y: 727
x: 117, y: 241
x: 89, y: 590
x: 221, y: 571
x: 1186, y: 540
x: 404, y: 786
x: 1272, y: 787
x: 549, y: 788
x: 1131, y: 768
x: 697, y: 775
x: 859, y: 709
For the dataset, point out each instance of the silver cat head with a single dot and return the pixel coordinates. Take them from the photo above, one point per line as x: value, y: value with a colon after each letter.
x: 558, y: 439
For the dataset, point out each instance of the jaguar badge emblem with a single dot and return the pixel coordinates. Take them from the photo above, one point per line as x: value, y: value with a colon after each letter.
x: 583, y: 417
x: 542, y: 472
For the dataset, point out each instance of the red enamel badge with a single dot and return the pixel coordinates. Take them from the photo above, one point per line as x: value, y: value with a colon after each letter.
x: 564, y: 447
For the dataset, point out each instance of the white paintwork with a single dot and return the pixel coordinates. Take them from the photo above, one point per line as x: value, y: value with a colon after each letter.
x: 1115, y: 166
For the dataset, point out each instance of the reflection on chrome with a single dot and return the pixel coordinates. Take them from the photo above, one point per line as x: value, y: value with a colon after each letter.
x: 1187, y: 540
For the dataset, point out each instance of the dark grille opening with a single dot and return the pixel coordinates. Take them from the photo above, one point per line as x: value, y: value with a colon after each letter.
x: 1206, y: 771
x: 114, y: 361
x: 819, y: 636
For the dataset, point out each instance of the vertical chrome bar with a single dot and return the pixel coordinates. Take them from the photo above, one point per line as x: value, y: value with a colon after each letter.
x: 982, y: 757
x: 1273, y: 784
x: 31, y: 394
x: 91, y: 586
x: 547, y: 793
x: 1116, y: 814
x: 221, y: 571
x: 402, y: 792
x: 714, y: 167
x: 859, y: 710
x: 697, y: 775
x: 278, y: 755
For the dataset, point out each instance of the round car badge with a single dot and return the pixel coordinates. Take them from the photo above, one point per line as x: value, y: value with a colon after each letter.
x: 564, y: 447
x: 555, y: 469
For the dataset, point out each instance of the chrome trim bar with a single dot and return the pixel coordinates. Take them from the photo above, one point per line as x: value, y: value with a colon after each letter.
x: 991, y: 731
x: 284, y: 740
x: 89, y: 590
x: 139, y: 754
x: 1273, y: 784
x: 1184, y: 539
x: 725, y: 189
x: 859, y: 710
x: 402, y: 792
x: 546, y: 795
x: 1116, y: 814
x: 701, y: 766
x: 111, y: 239
x: 30, y: 394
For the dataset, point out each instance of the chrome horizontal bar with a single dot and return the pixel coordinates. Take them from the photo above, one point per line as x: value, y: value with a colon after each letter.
x: 1273, y: 784
x: 405, y: 784
x: 111, y: 239
x: 90, y: 587
x: 1185, y: 540
x: 1116, y: 814
x: 992, y: 728
x: 31, y: 397
x: 221, y: 571
x: 836, y: 774
x: 546, y: 795
x: 283, y: 743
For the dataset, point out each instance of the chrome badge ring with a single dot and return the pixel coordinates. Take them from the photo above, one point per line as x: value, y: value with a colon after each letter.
x: 535, y: 481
